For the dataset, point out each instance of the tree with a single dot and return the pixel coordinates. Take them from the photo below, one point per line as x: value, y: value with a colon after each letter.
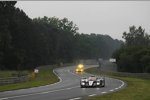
x: 136, y: 37
x: 134, y: 55
x: 26, y: 43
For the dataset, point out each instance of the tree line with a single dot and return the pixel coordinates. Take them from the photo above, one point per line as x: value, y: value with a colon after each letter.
x: 134, y: 55
x: 26, y: 43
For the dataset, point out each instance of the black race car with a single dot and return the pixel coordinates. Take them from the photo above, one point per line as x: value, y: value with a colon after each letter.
x: 92, y: 81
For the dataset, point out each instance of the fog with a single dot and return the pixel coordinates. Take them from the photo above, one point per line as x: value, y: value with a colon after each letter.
x: 102, y: 17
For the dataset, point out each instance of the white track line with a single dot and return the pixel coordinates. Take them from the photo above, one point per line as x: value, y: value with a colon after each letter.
x: 92, y: 95
x: 75, y: 98
x: 111, y: 90
x: 121, y: 84
x: 60, y: 80
x: 103, y: 92
x: 37, y: 93
x: 116, y: 88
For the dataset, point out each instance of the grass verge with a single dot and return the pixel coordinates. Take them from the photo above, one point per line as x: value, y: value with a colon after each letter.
x: 44, y: 77
x: 7, y: 74
x: 138, y: 88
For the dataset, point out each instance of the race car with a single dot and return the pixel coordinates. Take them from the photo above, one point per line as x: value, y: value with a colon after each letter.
x: 80, y: 68
x: 92, y: 81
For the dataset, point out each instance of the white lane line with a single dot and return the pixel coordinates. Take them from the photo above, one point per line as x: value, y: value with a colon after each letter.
x: 60, y: 79
x: 37, y: 93
x: 103, y: 92
x: 121, y: 84
x: 116, y: 88
x: 68, y: 88
x: 119, y: 87
x: 75, y: 98
x: 111, y: 90
x: 92, y: 95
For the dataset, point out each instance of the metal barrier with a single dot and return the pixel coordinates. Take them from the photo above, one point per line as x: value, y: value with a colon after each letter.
x: 12, y: 80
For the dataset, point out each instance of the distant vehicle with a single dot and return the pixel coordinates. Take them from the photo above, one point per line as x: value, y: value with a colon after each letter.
x: 80, y: 68
x: 92, y: 81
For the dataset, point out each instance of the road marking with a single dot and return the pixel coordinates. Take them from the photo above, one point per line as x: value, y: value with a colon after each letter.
x: 37, y: 93
x: 111, y: 90
x: 75, y: 98
x: 68, y: 88
x: 116, y: 88
x: 122, y: 84
x: 103, y: 92
x: 92, y: 95
x: 57, y: 90
x: 44, y: 92
x: 60, y: 79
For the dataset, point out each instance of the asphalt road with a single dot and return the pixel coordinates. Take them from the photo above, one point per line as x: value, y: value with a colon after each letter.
x: 68, y: 88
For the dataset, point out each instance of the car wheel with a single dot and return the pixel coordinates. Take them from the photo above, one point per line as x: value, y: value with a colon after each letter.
x: 82, y: 86
x: 104, y: 84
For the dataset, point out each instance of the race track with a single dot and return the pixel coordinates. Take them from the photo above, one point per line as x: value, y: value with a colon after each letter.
x: 68, y: 88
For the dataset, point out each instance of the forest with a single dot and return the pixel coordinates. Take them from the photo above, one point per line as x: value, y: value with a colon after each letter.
x: 26, y: 43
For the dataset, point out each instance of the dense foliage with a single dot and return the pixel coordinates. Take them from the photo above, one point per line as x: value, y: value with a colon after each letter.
x: 27, y: 43
x: 134, y: 55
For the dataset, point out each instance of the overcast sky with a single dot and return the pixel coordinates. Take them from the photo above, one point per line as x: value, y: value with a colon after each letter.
x: 102, y: 17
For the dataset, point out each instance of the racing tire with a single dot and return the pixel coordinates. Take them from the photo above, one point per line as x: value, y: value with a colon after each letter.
x: 82, y: 86
x: 103, y: 84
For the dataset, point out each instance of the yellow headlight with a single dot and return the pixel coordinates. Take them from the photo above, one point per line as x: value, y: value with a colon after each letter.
x: 81, y: 70
x: 80, y: 66
x: 77, y: 70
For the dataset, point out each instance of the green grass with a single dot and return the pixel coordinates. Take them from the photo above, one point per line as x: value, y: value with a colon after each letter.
x: 6, y: 74
x: 137, y: 89
x: 44, y: 77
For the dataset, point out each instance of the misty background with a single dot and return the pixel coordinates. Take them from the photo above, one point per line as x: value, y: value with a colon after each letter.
x: 30, y: 36
x: 101, y: 17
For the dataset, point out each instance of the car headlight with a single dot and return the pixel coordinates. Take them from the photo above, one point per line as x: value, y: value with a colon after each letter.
x: 82, y: 83
x: 98, y: 83
x: 80, y: 66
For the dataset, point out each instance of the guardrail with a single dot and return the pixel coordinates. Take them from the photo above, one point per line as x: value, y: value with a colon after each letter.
x: 12, y: 80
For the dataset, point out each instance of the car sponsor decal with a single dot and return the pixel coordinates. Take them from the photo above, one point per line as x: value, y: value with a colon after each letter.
x: 90, y: 83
